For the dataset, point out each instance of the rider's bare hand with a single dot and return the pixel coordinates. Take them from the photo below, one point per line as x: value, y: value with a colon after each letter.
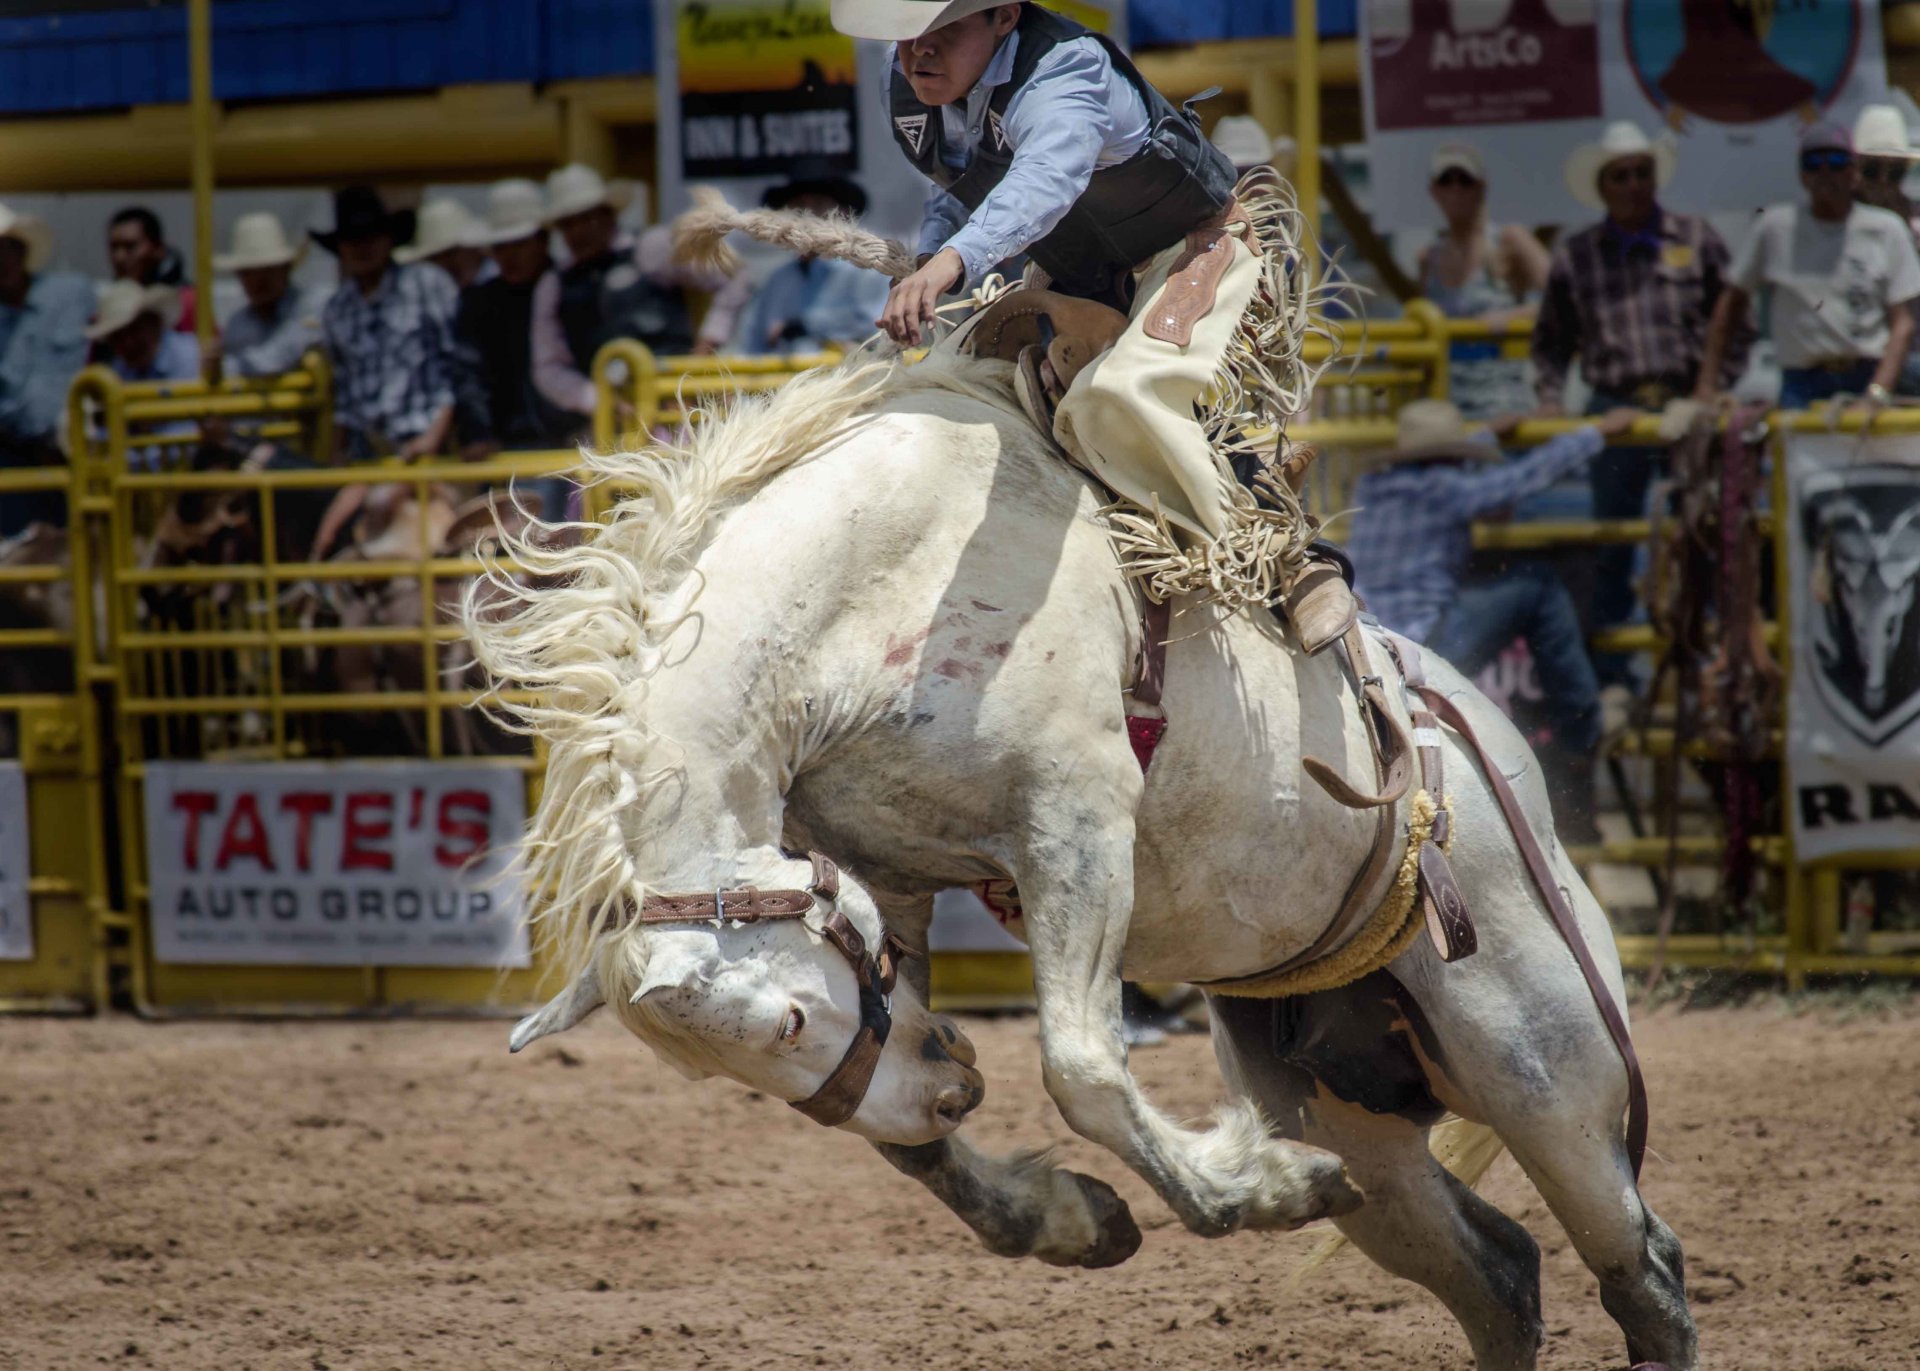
x: 1618, y: 420
x: 910, y: 305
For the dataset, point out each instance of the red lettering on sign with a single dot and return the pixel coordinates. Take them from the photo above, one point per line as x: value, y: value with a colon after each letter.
x: 305, y: 804
x: 354, y: 855
x: 244, y: 835
x: 470, y: 831
x: 194, y: 803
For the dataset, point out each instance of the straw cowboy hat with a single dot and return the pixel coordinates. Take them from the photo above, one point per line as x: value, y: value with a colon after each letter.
x: 1245, y: 141
x: 124, y: 301
x: 31, y: 233
x: 443, y: 224
x: 1432, y: 430
x: 1881, y: 131
x: 359, y: 212
x: 259, y: 241
x: 576, y: 188
x: 893, y: 20
x: 1623, y: 138
x: 516, y: 209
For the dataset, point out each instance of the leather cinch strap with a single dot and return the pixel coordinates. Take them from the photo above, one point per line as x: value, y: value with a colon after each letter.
x: 1563, y: 919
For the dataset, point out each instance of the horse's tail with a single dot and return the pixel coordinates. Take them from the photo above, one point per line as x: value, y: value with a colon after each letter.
x: 699, y: 236
x: 1466, y: 1149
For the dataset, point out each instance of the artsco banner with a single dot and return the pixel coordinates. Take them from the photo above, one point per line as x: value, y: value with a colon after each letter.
x: 1853, y: 737
x: 1733, y: 82
x: 374, y: 864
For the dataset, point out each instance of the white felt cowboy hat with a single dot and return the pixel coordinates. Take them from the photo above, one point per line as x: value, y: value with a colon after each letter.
x: 1623, y: 138
x: 1245, y: 141
x: 893, y: 20
x: 31, y: 233
x: 443, y: 224
x: 575, y: 189
x: 1881, y: 131
x: 516, y: 209
x: 259, y: 241
x: 1432, y: 430
x: 124, y: 301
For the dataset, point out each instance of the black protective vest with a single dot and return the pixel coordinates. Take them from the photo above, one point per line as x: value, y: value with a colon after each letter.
x: 1128, y: 212
x: 608, y: 298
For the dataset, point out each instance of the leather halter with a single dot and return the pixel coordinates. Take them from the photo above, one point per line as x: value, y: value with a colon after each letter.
x: 839, y: 1096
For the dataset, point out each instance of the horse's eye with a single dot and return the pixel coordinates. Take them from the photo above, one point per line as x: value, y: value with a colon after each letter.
x: 795, y: 1022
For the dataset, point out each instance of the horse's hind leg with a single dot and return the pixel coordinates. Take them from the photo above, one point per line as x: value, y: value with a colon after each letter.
x: 1419, y: 1221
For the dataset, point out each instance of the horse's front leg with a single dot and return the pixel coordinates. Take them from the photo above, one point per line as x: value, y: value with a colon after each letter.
x: 1019, y: 1206
x: 1076, y: 887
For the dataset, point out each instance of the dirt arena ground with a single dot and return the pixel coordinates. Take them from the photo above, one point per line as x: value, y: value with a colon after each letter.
x: 406, y: 1195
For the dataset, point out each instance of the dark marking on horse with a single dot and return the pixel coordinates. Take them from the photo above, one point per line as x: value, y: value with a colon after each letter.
x: 954, y: 669
x: 1357, y: 1042
x: 900, y: 651
x: 982, y: 604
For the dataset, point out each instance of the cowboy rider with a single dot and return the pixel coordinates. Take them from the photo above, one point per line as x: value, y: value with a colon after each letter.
x: 1042, y: 138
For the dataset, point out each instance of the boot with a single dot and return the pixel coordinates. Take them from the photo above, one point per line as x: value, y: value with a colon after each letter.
x: 1318, y: 605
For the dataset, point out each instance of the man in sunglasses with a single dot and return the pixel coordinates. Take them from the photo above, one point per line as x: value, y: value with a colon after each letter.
x: 1842, y: 277
x: 1631, y: 297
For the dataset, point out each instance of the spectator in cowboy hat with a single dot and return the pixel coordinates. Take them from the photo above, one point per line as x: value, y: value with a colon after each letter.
x: 1479, y: 270
x: 614, y: 286
x: 43, y: 345
x: 278, y: 325
x: 1886, y: 156
x: 810, y: 303
x: 500, y: 407
x: 1631, y: 297
x: 449, y: 237
x: 133, y: 324
x: 1247, y: 144
x: 1413, y: 535
x: 1841, y: 277
x: 389, y: 330
x: 137, y: 250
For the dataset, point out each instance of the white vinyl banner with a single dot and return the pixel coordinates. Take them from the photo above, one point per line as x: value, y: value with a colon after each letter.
x: 350, y: 864
x: 1853, y: 735
x: 1526, y: 81
x: 16, y: 867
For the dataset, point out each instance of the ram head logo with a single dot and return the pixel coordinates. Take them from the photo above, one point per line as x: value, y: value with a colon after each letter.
x: 1864, y: 539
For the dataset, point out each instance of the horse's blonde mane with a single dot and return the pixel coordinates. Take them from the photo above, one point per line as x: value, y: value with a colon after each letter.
x: 581, y: 650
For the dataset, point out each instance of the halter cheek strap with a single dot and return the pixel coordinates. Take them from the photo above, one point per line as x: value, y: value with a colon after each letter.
x: 839, y: 1096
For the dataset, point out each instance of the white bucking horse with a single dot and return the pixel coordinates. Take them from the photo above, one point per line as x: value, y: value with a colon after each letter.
x: 875, y: 616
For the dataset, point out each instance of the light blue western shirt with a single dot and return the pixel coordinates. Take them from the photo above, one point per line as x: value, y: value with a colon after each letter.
x: 43, y: 345
x: 812, y: 303
x: 1075, y: 116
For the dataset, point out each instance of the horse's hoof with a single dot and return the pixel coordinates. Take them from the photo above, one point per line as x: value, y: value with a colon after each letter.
x: 1119, y: 1235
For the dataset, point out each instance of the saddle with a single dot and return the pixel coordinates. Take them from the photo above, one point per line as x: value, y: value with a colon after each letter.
x: 1050, y: 338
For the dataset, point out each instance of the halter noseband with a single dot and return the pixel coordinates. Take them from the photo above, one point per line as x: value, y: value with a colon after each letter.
x: 839, y: 1096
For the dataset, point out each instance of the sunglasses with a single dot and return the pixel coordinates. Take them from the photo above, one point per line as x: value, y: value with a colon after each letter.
x: 1826, y: 159
x: 1631, y: 174
x: 1883, y: 169
x: 1453, y: 176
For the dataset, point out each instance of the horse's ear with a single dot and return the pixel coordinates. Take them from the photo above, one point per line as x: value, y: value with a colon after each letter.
x: 563, y: 1011
x: 669, y: 967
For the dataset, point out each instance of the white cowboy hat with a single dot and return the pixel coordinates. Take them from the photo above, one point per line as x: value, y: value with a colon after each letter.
x: 31, y: 232
x: 515, y: 209
x: 123, y: 301
x: 259, y: 241
x: 443, y: 224
x: 893, y: 20
x: 1431, y: 430
x: 1245, y: 141
x: 576, y: 188
x: 1623, y: 138
x: 1881, y: 131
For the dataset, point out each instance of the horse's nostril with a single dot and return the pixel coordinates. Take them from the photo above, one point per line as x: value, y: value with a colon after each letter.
x: 953, y: 1103
x: 958, y: 1046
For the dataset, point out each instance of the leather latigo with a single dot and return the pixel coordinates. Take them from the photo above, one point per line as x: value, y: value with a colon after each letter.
x: 1448, y: 922
x: 1194, y: 283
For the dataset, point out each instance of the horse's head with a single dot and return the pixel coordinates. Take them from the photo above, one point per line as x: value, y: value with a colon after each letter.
x: 795, y: 999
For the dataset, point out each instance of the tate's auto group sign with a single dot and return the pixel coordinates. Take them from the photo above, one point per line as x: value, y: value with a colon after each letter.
x: 334, y: 865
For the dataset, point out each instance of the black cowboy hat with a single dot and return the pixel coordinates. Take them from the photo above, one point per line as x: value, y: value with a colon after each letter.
x: 359, y: 212
x: 842, y: 190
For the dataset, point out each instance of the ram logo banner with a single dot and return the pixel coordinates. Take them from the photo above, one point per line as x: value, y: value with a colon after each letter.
x: 1854, y: 715
x: 1731, y: 83
x: 354, y: 864
x: 765, y: 85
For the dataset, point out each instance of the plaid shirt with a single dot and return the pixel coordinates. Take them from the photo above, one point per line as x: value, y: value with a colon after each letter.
x: 1414, y: 532
x: 1635, y: 307
x: 392, y: 352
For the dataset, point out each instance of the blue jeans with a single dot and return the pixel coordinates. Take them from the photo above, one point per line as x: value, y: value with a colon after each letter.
x: 1528, y: 601
x: 1802, y: 387
x: 1620, y: 478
